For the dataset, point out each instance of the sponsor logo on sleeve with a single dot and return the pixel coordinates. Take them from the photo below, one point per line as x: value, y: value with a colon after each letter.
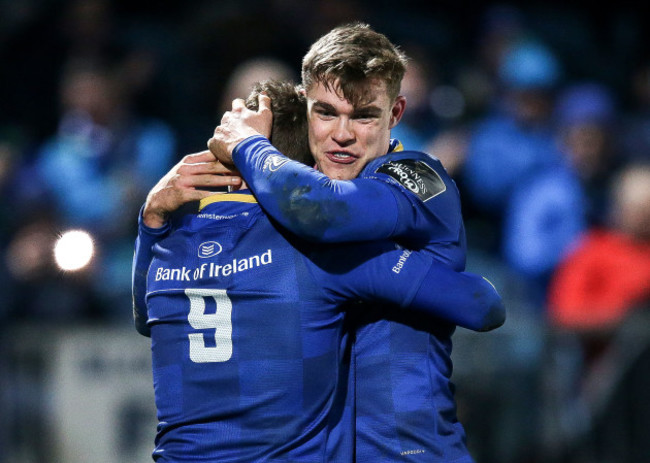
x: 274, y: 162
x: 416, y: 176
x: 401, y: 261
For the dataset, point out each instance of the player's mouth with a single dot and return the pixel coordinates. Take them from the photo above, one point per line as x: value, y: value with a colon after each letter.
x: 341, y: 157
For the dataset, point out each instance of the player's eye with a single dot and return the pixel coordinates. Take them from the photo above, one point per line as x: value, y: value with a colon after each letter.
x: 325, y: 113
x: 365, y: 117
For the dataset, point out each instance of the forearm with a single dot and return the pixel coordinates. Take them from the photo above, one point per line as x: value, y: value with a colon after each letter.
x: 311, y: 205
x: 462, y: 298
x: 414, y: 282
x: 142, y: 257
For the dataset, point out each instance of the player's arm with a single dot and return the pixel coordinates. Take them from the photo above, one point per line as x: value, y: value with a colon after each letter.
x: 315, y: 207
x: 413, y: 281
x: 195, y: 177
x: 463, y: 298
x: 147, y: 237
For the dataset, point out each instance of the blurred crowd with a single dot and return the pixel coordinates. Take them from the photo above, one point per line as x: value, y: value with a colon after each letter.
x: 541, y: 114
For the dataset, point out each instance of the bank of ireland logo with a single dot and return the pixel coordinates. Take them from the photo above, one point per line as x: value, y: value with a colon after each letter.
x: 209, y: 249
x: 274, y: 162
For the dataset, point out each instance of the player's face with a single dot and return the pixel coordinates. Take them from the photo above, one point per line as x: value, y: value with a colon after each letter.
x: 343, y: 138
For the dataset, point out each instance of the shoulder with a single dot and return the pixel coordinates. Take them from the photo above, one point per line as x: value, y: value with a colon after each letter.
x: 418, y: 172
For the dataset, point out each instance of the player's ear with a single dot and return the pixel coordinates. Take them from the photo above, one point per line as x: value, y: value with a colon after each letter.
x: 397, y: 111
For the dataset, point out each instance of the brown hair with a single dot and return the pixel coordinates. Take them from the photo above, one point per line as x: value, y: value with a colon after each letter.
x: 289, y: 131
x: 349, y: 55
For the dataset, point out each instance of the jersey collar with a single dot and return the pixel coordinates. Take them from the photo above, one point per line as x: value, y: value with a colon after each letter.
x: 395, y: 145
x: 236, y: 197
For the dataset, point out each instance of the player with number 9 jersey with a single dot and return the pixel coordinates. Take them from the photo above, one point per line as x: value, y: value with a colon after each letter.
x: 249, y: 350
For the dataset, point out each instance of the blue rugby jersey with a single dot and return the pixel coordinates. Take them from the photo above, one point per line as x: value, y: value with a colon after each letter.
x: 246, y: 327
x: 405, y: 407
x: 404, y: 397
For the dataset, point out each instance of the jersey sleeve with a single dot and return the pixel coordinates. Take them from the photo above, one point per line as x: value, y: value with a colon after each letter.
x: 317, y: 208
x: 413, y: 281
x: 142, y: 258
x: 428, y: 201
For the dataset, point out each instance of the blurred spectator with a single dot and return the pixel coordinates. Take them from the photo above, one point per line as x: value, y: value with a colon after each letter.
x: 94, y: 174
x: 546, y: 212
x: 586, y: 116
x: 102, y: 150
x: 595, y: 301
x: 608, y: 271
x: 514, y: 139
x: 552, y: 205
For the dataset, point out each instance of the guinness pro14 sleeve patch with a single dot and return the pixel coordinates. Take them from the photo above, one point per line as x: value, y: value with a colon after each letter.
x: 416, y: 176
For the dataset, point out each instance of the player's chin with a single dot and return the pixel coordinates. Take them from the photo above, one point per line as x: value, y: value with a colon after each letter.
x: 341, y: 171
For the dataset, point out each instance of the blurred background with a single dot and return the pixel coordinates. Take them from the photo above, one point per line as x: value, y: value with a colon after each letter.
x: 540, y: 112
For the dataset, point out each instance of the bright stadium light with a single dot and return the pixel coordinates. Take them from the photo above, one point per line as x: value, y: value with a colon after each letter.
x: 73, y: 250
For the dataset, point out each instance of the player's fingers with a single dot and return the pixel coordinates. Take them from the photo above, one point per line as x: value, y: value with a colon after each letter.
x: 211, y: 167
x: 198, y: 157
x: 203, y: 162
x: 264, y: 102
x: 185, y: 186
x: 238, y: 104
x: 211, y: 181
x: 216, y: 167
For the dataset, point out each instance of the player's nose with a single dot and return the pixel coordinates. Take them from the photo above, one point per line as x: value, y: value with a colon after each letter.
x: 343, y: 132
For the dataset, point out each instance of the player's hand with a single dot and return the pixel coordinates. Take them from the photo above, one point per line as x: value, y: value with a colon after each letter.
x: 239, y: 124
x: 182, y: 185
